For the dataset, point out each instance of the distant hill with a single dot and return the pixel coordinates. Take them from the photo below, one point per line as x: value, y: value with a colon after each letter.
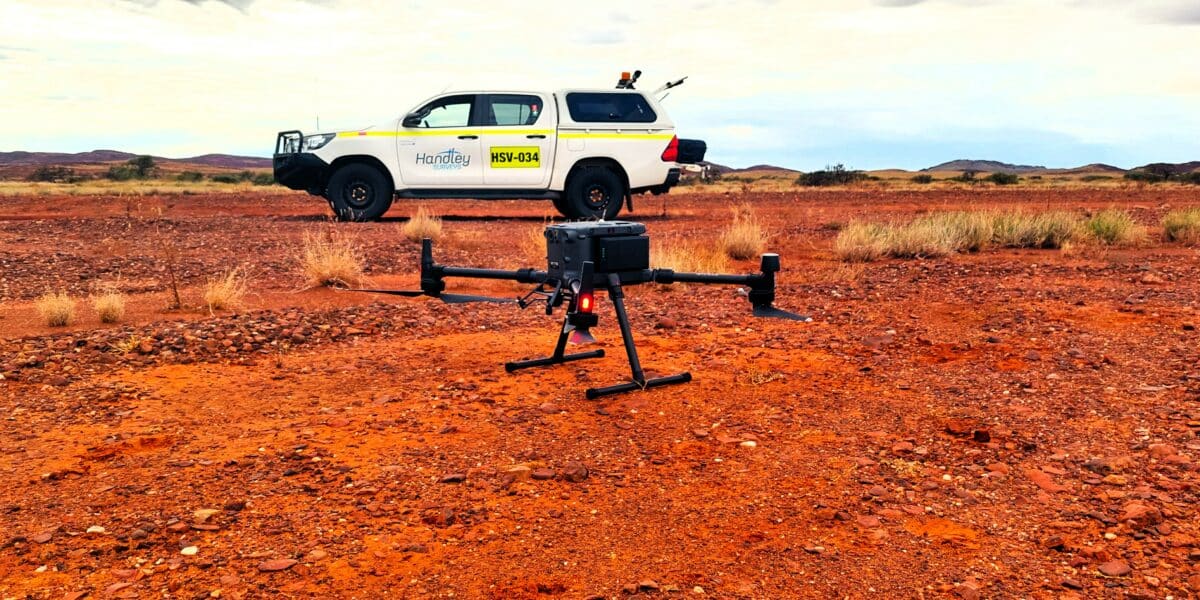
x: 106, y: 156
x: 990, y: 166
x: 724, y: 170
x: 1170, y: 168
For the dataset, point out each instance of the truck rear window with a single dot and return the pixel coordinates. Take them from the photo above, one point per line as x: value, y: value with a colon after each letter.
x: 601, y: 107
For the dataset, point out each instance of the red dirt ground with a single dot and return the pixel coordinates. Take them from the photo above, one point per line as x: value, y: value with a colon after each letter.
x: 1008, y: 424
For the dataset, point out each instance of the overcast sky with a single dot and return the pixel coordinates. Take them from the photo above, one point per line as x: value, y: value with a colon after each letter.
x: 800, y: 83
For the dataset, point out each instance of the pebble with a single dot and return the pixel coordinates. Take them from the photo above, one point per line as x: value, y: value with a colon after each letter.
x: 749, y: 444
x: 575, y: 472
x: 189, y: 551
x: 542, y: 474
x: 1115, y: 568
x: 277, y: 564
x: 96, y: 529
x: 454, y: 478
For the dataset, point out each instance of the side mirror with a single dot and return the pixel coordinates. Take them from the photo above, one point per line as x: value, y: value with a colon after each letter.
x: 412, y: 120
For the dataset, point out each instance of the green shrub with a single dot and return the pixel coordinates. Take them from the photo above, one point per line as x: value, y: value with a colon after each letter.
x: 1114, y: 226
x: 1182, y: 225
x: 922, y: 178
x: 121, y: 173
x: 1192, y: 178
x: 263, y: 179
x: 191, y: 176
x: 1144, y: 177
x: 54, y: 174
x: 999, y: 178
x: 967, y: 177
x: 226, y: 178
x: 1091, y: 178
x: 832, y: 175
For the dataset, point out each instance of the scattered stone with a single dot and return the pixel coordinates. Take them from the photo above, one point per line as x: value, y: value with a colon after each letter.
x: 454, y: 478
x: 902, y: 447
x: 542, y: 474
x: 869, y: 521
x: 189, y: 551
x: 700, y: 433
x: 648, y: 585
x: 277, y: 564
x: 1115, y: 568
x: 749, y: 444
x: 1071, y: 584
x: 549, y: 408
x: 575, y: 472
x: 877, y: 490
x: 814, y: 549
x: 42, y: 537
x: 204, y: 514
x: 982, y: 436
x: 316, y: 555
x: 666, y: 323
x: 96, y: 529
x: 518, y: 472
x: 1140, y: 515
x: 1043, y: 481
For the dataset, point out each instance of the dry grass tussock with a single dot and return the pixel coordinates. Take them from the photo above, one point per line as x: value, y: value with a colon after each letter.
x: 1182, y: 225
x: 744, y: 238
x: 330, y: 258
x: 108, y: 303
x: 57, y: 309
x: 423, y: 224
x: 1115, y: 227
x: 532, y: 243
x: 687, y: 256
x: 228, y: 290
x: 942, y: 234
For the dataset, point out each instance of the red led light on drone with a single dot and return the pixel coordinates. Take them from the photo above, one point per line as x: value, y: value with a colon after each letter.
x: 585, y: 303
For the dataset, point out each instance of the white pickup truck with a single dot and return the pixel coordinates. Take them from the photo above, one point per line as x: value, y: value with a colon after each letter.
x: 588, y: 151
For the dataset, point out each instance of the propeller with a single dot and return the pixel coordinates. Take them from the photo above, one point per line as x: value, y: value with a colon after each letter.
x: 770, y: 312
x: 464, y: 299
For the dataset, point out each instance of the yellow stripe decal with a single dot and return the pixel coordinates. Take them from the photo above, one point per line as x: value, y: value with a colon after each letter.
x: 441, y: 132
x: 456, y: 132
x: 618, y: 136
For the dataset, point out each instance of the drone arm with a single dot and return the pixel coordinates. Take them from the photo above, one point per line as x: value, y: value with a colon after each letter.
x: 520, y: 275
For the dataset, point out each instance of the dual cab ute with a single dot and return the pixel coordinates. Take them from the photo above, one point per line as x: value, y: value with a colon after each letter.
x: 587, y: 151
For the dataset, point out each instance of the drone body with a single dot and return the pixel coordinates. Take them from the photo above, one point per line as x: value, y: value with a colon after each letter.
x: 582, y: 257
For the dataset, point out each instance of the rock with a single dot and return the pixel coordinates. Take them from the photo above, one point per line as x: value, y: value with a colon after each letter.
x: 42, y: 537
x: 549, y: 408
x: 315, y: 555
x: 902, y: 447
x: 189, y: 551
x: 982, y: 436
x: 1162, y: 450
x: 518, y: 472
x: 1043, y: 481
x: 454, y: 478
x: 869, y: 521
x: 648, y: 585
x: 139, y: 534
x: 1115, y: 568
x: 749, y: 444
x: 204, y: 514
x: 877, y: 490
x: 666, y: 323
x: 814, y: 549
x: 1152, y: 279
x: 700, y: 433
x: 235, y: 506
x: 575, y: 472
x: 1071, y: 584
x: 96, y: 529
x: 1140, y: 515
x: 277, y: 564
x: 542, y: 474
x: 997, y: 467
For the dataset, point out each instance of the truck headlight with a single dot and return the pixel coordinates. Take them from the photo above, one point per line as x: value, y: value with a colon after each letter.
x: 316, y: 142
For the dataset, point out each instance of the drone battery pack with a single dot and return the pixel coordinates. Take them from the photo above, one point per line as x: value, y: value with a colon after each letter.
x: 611, y: 246
x: 622, y: 253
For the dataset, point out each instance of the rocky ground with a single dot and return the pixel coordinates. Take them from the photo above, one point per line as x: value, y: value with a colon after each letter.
x: 1008, y: 424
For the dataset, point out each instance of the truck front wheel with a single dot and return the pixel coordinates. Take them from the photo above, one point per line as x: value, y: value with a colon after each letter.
x: 594, y: 193
x: 359, y: 192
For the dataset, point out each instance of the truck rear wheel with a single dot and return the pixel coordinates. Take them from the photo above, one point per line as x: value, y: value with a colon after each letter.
x: 594, y: 193
x: 359, y: 192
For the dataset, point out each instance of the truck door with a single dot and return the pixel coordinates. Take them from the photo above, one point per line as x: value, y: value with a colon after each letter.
x: 437, y: 147
x: 517, y: 138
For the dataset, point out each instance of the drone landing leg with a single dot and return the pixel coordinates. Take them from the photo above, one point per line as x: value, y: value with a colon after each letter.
x: 557, y: 358
x: 617, y: 295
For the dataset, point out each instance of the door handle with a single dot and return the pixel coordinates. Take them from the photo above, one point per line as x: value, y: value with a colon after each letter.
x: 536, y: 136
x: 468, y: 137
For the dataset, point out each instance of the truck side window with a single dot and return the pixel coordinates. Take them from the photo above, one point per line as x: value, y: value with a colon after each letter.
x: 451, y: 111
x: 512, y: 110
x: 608, y: 107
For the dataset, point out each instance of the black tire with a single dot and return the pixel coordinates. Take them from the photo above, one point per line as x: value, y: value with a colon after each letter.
x: 359, y: 192
x: 594, y: 193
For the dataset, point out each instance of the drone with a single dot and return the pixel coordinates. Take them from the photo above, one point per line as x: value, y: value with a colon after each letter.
x: 582, y: 258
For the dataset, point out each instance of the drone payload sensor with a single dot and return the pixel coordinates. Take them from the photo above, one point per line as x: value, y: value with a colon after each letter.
x: 581, y: 258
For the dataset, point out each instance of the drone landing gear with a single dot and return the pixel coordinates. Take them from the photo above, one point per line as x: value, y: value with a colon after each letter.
x: 617, y: 295
x: 558, y: 357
